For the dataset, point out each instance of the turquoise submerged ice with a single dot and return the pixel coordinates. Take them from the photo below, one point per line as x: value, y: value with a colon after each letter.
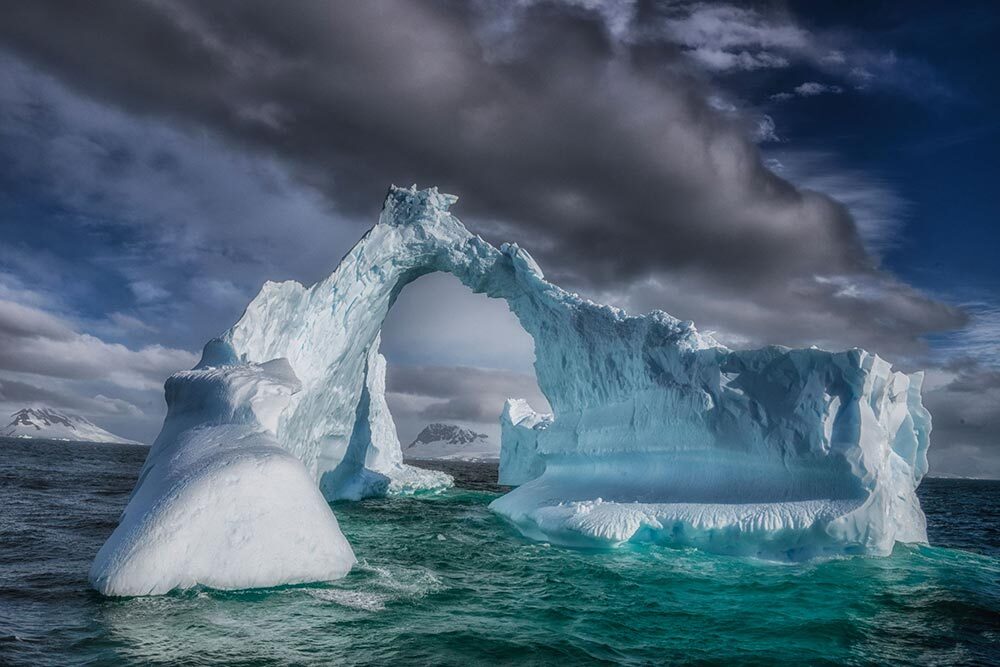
x: 658, y: 433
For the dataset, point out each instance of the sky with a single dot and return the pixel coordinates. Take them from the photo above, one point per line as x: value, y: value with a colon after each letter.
x: 795, y: 173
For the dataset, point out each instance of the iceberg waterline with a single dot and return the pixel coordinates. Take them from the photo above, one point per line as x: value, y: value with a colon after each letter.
x: 658, y: 432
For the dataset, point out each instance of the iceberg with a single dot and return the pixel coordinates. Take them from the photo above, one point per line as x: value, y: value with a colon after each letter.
x: 520, y: 459
x: 219, y: 502
x: 657, y: 434
x: 776, y: 453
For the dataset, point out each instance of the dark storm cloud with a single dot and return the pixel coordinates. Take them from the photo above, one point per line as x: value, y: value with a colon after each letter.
x: 605, y: 159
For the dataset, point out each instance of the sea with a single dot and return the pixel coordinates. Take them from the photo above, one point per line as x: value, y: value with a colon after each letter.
x: 441, y: 580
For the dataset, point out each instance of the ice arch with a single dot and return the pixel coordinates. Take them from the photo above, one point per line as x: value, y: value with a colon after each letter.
x: 339, y: 426
x: 659, y: 433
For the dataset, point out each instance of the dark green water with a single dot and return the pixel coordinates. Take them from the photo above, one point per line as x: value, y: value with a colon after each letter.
x: 444, y: 581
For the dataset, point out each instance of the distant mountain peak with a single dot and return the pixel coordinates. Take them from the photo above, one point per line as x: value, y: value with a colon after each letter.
x: 447, y: 433
x: 450, y: 441
x: 40, y: 417
x: 51, y: 424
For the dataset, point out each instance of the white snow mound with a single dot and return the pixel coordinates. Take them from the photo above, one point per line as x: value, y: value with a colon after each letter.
x: 219, y: 503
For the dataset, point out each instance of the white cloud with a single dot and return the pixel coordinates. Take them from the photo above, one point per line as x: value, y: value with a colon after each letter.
x: 878, y: 211
x: 861, y: 77
x: 980, y: 340
x: 728, y: 37
x: 734, y: 37
x: 125, y: 322
x: 146, y: 292
x: 766, y: 130
x: 17, y: 393
x: 808, y: 89
x: 811, y: 89
x: 835, y: 57
x: 46, y: 358
x: 733, y: 29
x: 724, y: 37
x: 36, y: 342
x: 719, y: 60
x: 19, y: 320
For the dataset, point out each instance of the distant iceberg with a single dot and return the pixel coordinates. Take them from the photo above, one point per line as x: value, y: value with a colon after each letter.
x: 658, y: 433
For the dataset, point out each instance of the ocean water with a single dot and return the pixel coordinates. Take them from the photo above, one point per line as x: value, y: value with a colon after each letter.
x: 443, y: 581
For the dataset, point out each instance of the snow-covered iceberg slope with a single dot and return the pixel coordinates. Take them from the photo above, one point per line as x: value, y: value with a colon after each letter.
x: 219, y: 502
x: 658, y: 433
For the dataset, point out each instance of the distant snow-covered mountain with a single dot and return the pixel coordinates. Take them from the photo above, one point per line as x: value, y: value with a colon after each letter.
x: 448, y: 441
x: 49, y: 424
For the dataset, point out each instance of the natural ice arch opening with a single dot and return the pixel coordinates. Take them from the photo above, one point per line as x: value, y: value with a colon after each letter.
x: 454, y: 357
x: 337, y: 422
x: 372, y: 463
x: 773, y: 452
